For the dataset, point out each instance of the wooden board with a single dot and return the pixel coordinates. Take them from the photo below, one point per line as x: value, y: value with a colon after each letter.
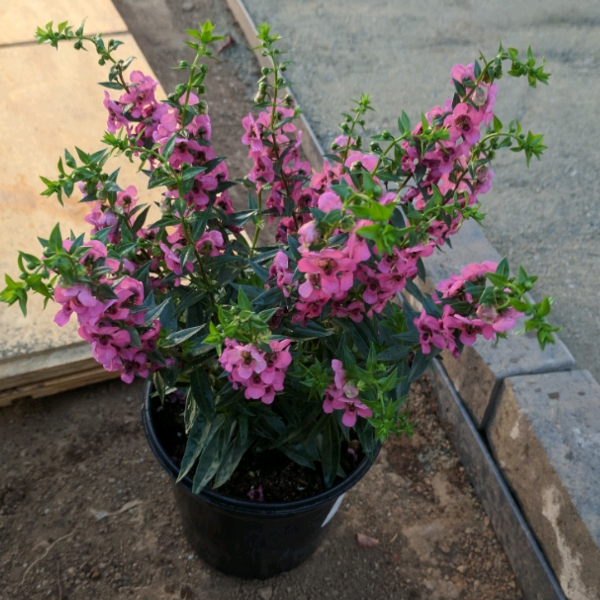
x: 57, y: 105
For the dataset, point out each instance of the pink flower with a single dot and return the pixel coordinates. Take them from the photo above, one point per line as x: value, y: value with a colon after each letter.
x: 77, y: 299
x: 262, y: 171
x: 368, y: 161
x: 116, y: 120
x: 200, y: 127
x: 308, y: 233
x: 198, y: 194
x: 96, y: 250
x: 101, y: 217
x: 210, y: 243
x: 252, y: 137
x: 430, y: 332
x: 182, y: 152
x: 329, y: 201
x: 260, y: 374
x: 355, y: 310
x: 106, y: 341
x: 356, y: 247
x: 165, y: 123
x: 463, y: 122
x: 281, y: 270
x: 172, y: 259
x: 256, y: 494
x: 335, y: 271
x: 343, y: 395
x: 134, y: 363
x: 127, y: 198
x: 141, y: 93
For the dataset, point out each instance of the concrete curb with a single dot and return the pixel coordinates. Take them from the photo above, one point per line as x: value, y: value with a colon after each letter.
x: 529, y: 564
x: 478, y: 377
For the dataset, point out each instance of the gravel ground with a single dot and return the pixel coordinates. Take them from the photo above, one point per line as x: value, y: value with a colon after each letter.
x: 87, y: 513
x: 546, y: 218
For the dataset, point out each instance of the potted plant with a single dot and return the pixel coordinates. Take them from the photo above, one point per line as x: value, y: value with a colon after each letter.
x: 276, y: 368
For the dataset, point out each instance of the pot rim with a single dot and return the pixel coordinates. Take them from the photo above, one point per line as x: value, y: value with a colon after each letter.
x: 216, y: 499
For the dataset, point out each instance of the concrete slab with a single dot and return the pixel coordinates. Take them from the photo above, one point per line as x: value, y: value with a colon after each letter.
x: 20, y: 18
x: 56, y: 105
x: 545, y: 436
x: 401, y: 53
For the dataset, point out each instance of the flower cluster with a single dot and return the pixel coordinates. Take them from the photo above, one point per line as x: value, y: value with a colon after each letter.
x: 260, y: 374
x: 149, y: 123
x: 331, y: 274
x: 343, y: 395
x: 486, y: 321
x: 108, y: 324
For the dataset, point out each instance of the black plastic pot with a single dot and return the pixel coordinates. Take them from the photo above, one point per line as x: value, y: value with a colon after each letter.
x: 250, y: 539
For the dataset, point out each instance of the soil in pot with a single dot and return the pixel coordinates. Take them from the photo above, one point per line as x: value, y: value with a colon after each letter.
x: 278, y: 478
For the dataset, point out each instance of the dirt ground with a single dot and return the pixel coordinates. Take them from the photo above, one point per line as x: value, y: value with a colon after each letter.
x: 87, y: 513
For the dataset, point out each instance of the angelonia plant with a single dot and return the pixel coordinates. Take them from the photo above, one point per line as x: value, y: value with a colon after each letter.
x: 307, y: 341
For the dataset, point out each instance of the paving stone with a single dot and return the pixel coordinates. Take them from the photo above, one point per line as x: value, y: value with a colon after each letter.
x: 478, y: 373
x: 20, y: 18
x: 50, y: 101
x: 545, y: 436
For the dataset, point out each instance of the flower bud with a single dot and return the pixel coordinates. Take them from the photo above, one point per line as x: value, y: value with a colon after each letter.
x: 480, y: 96
x: 375, y: 147
x: 482, y: 174
x: 386, y: 135
x: 265, y: 71
x: 356, y: 167
x: 203, y: 107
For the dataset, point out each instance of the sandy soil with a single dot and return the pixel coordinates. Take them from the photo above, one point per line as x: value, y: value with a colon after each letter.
x: 87, y: 513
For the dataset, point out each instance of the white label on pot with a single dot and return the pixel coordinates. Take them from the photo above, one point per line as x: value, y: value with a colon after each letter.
x: 334, y: 509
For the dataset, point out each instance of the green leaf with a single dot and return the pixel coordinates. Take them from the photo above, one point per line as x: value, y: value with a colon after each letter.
x: 55, y: 240
x: 169, y: 146
x: 113, y: 85
x: 202, y: 391
x: 155, y: 313
x: 393, y: 354
x: 69, y: 160
x: 330, y: 451
x: 308, y: 331
x: 231, y: 460
x: 544, y: 309
x: 497, y: 280
x: 200, y: 434
x: 178, y: 337
x: 211, y: 457
x: 259, y: 270
x: 191, y: 411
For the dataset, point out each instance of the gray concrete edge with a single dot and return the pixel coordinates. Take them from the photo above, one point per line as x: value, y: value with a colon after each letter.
x: 527, y: 559
x: 529, y: 563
